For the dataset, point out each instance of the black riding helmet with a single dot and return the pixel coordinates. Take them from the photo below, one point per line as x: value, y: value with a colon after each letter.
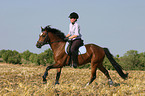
x: 74, y: 15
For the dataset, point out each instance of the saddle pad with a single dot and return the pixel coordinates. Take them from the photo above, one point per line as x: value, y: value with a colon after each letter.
x: 82, y: 49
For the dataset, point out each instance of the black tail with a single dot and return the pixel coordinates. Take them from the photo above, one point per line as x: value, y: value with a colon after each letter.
x: 115, y: 64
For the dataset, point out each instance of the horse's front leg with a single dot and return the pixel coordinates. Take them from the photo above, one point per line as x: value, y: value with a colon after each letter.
x: 58, y: 75
x: 48, y: 68
x: 46, y: 74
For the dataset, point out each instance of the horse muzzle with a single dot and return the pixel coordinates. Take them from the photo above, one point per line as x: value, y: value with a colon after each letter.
x: 39, y: 44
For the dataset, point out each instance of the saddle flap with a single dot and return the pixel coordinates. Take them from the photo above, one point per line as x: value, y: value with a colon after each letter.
x: 82, y: 49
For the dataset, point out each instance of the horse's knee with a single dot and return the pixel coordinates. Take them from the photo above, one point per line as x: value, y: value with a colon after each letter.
x: 48, y: 68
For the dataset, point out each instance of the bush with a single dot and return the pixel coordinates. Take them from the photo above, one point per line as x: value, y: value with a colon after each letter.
x: 49, y: 55
x: 141, y: 65
x: 33, y: 58
x: 12, y: 57
x: 41, y: 60
x: 26, y: 54
x: 45, y: 57
x: 2, y: 52
x: 130, y: 60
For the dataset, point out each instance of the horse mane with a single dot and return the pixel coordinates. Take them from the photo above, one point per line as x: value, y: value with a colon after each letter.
x: 55, y: 31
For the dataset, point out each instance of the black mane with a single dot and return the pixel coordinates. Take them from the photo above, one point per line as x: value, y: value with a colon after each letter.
x: 55, y: 31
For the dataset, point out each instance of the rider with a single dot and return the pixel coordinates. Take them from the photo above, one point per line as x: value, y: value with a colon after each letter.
x: 75, y: 36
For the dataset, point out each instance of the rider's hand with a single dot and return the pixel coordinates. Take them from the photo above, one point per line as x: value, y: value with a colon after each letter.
x: 66, y: 39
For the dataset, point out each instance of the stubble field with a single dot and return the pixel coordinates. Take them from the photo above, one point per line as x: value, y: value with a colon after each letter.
x: 18, y: 80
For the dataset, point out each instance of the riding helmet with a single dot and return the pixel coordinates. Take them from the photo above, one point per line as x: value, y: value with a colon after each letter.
x: 74, y: 15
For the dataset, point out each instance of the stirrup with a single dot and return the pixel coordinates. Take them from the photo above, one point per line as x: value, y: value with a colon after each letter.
x: 74, y: 65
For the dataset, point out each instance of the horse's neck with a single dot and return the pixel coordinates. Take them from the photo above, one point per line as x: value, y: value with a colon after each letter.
x: 56, y: 47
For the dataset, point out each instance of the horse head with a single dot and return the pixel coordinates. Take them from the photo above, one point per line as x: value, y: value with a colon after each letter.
x: 49, y: 35
x: 43, y: 37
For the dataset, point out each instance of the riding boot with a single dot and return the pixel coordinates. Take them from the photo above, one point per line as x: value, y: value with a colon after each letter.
x: 74, y: 60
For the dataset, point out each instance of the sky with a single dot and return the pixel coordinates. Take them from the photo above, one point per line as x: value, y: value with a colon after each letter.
x: 116, y: 24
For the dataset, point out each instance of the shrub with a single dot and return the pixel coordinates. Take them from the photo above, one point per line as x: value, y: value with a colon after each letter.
x: 33, y: 58
x: 49, y: 55
x: 130, y: 60
x: 45, y: 57
x: 26, y: 54
x: 107, y: 64
x: 2, y: 52
x: 12, y: 57
x: 141, y: 65
x: 41, y: 60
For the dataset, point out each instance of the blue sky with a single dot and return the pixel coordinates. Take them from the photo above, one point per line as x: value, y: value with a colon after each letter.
x: 116, y: 24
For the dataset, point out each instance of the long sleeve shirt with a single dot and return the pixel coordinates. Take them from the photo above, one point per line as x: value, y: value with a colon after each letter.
x: 74, y: 29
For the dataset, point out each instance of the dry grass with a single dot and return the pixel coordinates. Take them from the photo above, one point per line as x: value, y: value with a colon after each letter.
x: 16, y: 80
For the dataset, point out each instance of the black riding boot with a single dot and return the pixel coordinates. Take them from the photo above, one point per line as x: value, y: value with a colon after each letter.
x: 74, y: 60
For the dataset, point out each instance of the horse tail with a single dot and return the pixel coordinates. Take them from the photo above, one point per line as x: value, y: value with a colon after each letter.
x: 117, y: 67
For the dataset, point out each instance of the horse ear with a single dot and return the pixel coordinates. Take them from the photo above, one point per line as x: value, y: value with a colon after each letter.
x: 42, y: 29
x: 48, y: 27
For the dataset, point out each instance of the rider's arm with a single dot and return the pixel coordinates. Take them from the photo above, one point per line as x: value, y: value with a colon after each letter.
x: 67, y: 35
x: 73, y: 36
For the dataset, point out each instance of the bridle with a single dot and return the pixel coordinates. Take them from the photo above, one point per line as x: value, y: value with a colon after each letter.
x: 48, y: 41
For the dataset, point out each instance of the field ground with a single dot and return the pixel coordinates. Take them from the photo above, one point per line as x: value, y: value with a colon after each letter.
x: 21, y: 80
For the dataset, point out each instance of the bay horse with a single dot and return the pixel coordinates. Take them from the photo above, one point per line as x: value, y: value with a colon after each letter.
x: 94, y: 55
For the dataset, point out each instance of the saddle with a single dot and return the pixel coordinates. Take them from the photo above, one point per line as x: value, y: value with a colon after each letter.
x: 81, y: 50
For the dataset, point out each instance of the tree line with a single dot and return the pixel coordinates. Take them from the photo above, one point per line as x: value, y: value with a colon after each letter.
x: 131, y: 60
x: 27, y: 57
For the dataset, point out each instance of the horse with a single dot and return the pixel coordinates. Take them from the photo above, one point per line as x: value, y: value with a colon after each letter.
x: 94, y: 55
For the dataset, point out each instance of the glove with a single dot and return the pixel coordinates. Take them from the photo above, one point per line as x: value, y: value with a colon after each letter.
x: 66, y: 39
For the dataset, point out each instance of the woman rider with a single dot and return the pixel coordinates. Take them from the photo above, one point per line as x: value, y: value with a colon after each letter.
x: 75, y: 36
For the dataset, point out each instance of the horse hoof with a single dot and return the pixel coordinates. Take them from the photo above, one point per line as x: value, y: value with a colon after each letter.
x: 56, y: 83
x: 87, y: 85
x: 110, y: 83
x: 44, y: 82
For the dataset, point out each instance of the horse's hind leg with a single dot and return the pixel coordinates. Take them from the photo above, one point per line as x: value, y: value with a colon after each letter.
x: 103, y: 69
x: 93, y: 73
